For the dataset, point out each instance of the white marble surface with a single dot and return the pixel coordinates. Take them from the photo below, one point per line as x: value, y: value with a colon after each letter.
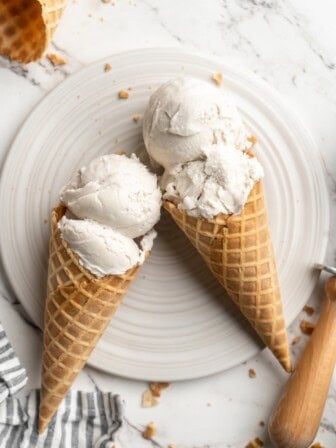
x: 289, y: 43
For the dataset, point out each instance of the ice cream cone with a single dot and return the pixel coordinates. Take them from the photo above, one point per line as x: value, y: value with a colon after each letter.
x: 238, y: 250
x: 27, y: 27
x: 78, y: 308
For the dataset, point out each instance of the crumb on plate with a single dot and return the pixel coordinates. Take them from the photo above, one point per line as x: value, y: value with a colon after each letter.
x: 150, y: 431
x: 218, y: 78
x: 307, y: 327
x: 56, y: 59
x: 296, y: 339
x: 309, y: 310
x: 252, y: 373
x: 252, y: 139
x: 256, y: 443
x: 136, y: 118
x: 107, y: 67
x: 123, y: 94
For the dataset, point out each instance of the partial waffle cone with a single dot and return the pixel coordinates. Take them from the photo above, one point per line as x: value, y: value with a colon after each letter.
x: 27, y: 27
x: 238, y: 250
x: 78, y: 308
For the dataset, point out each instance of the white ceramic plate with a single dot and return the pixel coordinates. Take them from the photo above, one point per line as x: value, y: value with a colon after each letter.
x: 175, y: 322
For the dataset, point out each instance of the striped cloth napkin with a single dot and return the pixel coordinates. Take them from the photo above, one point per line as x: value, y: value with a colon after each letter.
x: 83, y: 420
x: 13, y: 376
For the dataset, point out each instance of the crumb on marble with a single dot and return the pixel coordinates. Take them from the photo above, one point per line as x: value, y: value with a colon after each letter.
x: 149, y: 431
x: 136, y: 118
x: 296, y: 340
x: 156, y: 388
x: 106, y: 1
x: 129, y: 88
x: 123, y: 94
x: 309, y: 310
x: 307, y: 327
x: 209, y: 404
x: 252, y: 139
x: 56, y: 59
x: 317, y: 445
x: 172, y: 445
x: 218, y: 78
x: 256, y: 443
x: 252, y: 373
x: 148, y: 400
x: 45, y: 221
x: 107, y: 67
x: 120, y: 152
x: 262, y: 423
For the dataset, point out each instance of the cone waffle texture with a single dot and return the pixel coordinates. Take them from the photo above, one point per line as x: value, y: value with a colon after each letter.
x: 27, y: 27
x: 238, y: 251
x: 78, y: 308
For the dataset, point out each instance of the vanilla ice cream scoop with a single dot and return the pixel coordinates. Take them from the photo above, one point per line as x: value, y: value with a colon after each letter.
x: 219, y: 184
x: 116, y: 191
x: 102, y: 250
x: 186, y: 115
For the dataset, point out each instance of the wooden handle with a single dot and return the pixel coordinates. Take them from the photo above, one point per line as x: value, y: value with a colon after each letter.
x: 297, y: 415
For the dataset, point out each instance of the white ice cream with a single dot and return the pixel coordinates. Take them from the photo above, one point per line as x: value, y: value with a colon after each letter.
x: 112, y: 201
x: 116, y: 191
x: 219, y: 184
x: 101, y: 250
x: 186, y: 115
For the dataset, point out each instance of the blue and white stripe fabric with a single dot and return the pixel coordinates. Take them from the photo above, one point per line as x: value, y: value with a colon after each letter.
x: 13, y: 376
x: 83, y: 420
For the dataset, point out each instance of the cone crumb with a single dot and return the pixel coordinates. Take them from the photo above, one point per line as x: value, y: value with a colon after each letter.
x: 256, y: 443
x: 56, y: 59
x: 307, y: 327
x: 317, y: 445
x: 123, y: 94
x: 262, y: 423
x: 45, y: 221
x: 252, y: 139
x: 148, y: 400
x: 309, y: 310
x: 296, y: 340
x: 106, y: 1
x: 218, y: 78
x: 172, y: 445
x: 150, y: 431
x: 156, y: 388
x: 120, y: 152
x: 136, y: 118
x: 252, y: 373
x: 107, y: 67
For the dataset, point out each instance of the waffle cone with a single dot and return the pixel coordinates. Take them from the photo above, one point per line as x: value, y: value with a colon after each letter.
x: 238, y: 250
x: 27, y: 27
x: 78, y: 308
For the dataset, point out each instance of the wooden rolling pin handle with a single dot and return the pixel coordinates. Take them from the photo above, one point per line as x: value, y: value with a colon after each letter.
x: 297, y: 416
